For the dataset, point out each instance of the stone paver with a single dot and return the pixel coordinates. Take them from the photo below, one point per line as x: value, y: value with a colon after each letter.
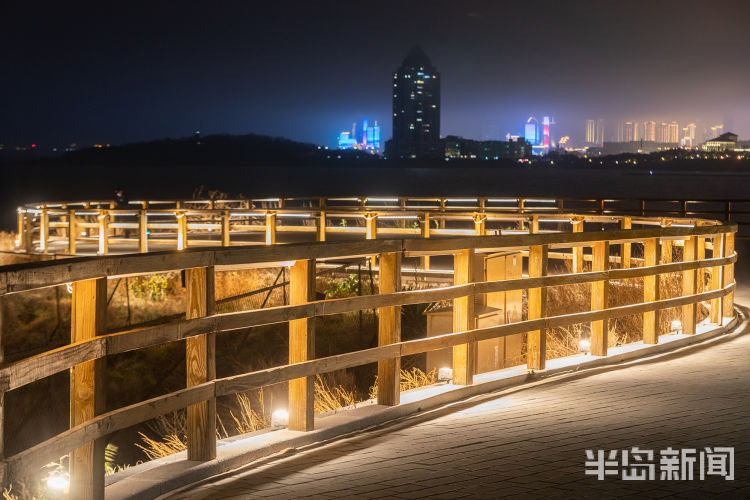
x: 531, y: 442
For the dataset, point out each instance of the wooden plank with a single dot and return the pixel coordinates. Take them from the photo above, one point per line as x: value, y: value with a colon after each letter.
x: 424, y: 225
x: 72, y: 231
x: 389, y: 330
x: 103, y: 221
x: 225, y: 229
x: 270, y: 228
x: 321, y: 229
x: 716, y: 279
x: 44, y: 231
x: 578, y: 250
x: 536, y: 340
x: 182, y: 230
x: 600, y: 299
x: 21, y: 214
x: 142, y: 231
x: 200, y: 364
x: 626, y: 223
x: 371, y: 233
x: 301, y: 347
x: 689, y: 286
x: 21, y: 277
x: 87, y: 384
x: 480, y: 224
x: 702, y: 273
x: 728, y: 277
x: 650, y: 291
x: 464, y: 355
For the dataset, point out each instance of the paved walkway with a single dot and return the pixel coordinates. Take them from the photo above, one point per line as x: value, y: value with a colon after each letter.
x: 532, y: 441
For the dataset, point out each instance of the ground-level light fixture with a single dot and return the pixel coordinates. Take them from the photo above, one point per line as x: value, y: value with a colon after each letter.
x: 58, y: 483
x: 280, y: 418
x: 584, y: 345
x: 675, y: 326
x: 445, y: 375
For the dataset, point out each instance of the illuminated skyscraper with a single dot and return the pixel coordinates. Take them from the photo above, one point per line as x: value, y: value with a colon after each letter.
x: 662, y: 132
x: 416, y: 107
x: 370, y: 138
x: 649, y: 131
x: 688, y: 135
x: 531, y: 131
x: 590, y: 131
x: 599, y: 137
x: 629, y: 132
x: 674, y: 133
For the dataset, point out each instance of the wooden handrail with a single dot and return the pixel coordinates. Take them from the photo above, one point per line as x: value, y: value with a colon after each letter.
x: 202, y: 323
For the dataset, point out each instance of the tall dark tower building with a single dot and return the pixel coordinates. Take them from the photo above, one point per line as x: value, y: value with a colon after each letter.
x: 416, y: 107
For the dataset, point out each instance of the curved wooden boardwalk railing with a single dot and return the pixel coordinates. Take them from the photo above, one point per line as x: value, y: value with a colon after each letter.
x: 88, y: 275
x: 59, y: 227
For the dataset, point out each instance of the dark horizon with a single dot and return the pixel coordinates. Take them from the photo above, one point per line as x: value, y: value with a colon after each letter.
x: 108, y: 74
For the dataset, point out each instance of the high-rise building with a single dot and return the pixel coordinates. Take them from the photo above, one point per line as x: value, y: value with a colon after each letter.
x: 590, y: 131
x: 662, y: 132
x: 531, y: 131
x: 628, y: 132
x: 370, y: 138
x: 674, y: 133
x: 599, y: 137
x: 649, y: 131
x: 416, y: 107
x: 688, y: 135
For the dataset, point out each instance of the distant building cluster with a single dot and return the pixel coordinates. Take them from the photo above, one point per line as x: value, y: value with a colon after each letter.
x: 369, y: 139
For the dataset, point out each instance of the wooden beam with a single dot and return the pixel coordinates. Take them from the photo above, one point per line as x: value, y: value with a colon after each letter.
x: 371, y: 233
x: 702, y: 273
x: 182, y: 230
x: 44, y: 230
x: 425, y: 233
x: 536, y: 340
x: 301, y: 347
x: 270, y: 228
x: 534, y: 224
x: 626, y: 223
x: 689, y: 285
x: 728, y: 277
x: 225, y: 229
x: 389, y: 330
x: 480, y: 228
x: 21, y: 214
x: 578, y: 251
x: 142, y: 231
x: 321, y: 229
x: 650, y: 291
x: 464, y: 355
x: 200, y: 364
x: 599, y: 299
x: 87, y: 384
x: 103, y: 219
x: 716, y: 278
x: 72, y: 231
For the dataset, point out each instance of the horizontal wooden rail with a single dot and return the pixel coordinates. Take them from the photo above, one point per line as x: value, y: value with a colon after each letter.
x: 22, y: 277
x: 122, y: 418
x: 88, y: 275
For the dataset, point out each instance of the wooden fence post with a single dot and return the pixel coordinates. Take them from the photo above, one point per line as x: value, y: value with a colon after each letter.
x: 464, y: 355
x: 371, y: 232
x: 182, y: 230
x: 87, y: 384
x: 534, y: 224
x: 72, y: 231
x: 270, y: 228
x: 728, y: 306
x: 301, y: 347
x: 28, y: 232
x: 626, y: 223
x: 480, y: 227
x: 599, y: 299
x: 143, y: 230
x: 103, y: 219
x: 650, y: 291
x: 536, y: 340
x: 321, y: 229
x: 425, y: 233
x: 44, y: 230
x: 389, y: 330
x: 21, y: 214
x: 689, y: 284
x: 716, y: 272
x: 225, y: 229
x: 578, y: 250
x: 200, y: 363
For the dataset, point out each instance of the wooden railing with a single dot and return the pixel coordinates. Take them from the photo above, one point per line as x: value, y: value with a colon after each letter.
x: 59, y: 227
x: 90, y: 345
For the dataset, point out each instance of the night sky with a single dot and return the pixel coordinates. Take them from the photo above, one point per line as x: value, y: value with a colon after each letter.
x: 307, y: 70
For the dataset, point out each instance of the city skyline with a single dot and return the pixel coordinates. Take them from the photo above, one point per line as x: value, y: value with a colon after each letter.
x: 162, y: 83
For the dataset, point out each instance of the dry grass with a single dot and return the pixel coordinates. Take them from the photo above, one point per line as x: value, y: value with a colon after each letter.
x: 250, y: 419
x: 413, y: 378
x: 331, y: 397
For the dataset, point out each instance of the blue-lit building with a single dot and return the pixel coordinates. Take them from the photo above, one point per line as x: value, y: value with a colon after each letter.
x: 369, y: 138
x: 532, y: 131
